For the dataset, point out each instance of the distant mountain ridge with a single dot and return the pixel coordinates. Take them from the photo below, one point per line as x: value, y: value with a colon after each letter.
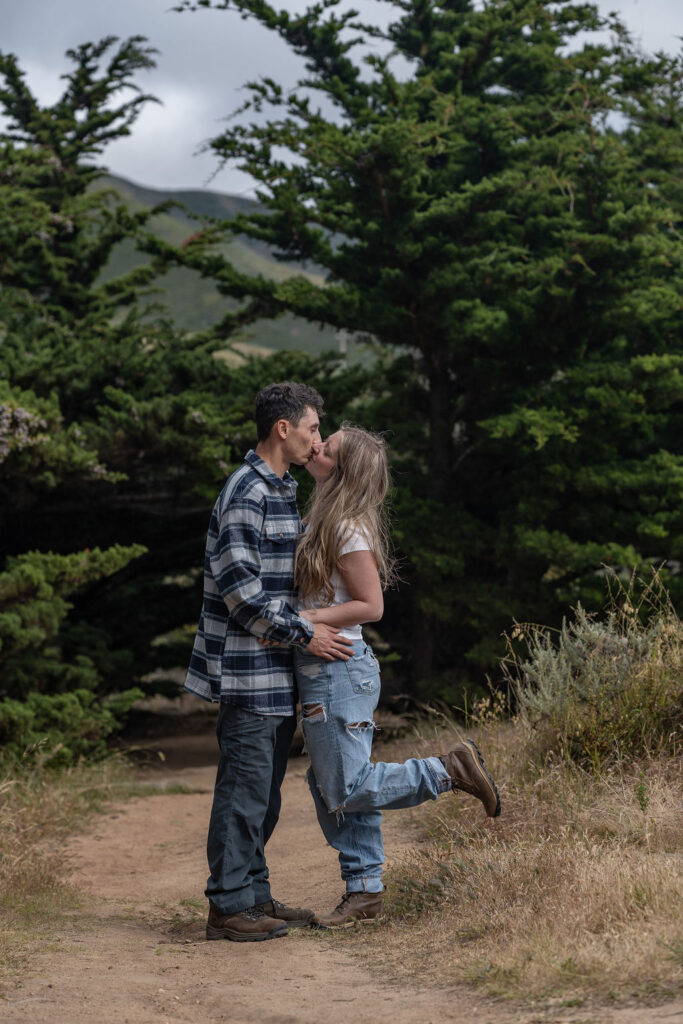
x: 197, y: 200
x: 194, y: 302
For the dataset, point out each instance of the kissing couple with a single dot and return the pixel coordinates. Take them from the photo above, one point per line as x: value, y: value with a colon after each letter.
x: 282, y: 612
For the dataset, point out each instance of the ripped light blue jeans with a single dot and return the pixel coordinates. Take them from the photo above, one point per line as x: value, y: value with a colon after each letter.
x: 338, y: 701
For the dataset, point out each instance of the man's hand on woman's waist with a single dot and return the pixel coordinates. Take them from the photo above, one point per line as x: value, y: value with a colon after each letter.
x: 328, y: 643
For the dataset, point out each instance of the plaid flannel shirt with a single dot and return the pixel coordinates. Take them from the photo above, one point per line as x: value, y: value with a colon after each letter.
x: 249, y: 593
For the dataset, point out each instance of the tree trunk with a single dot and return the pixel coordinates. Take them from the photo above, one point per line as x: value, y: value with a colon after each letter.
x: 440, y: 432
x: 425, y: 625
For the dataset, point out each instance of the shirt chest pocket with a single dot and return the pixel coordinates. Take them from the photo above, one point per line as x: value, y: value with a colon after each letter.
x: 281, y: 536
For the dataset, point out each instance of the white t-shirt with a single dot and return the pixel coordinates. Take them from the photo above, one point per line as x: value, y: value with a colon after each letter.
x: 356, y: 540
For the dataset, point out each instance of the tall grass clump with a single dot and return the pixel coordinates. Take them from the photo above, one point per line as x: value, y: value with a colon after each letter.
x: 39, y: 808
x: 573, y: 895
x: 602, y: 690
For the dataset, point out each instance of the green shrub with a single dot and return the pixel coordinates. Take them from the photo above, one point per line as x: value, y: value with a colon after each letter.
x: 603, y: 690
x: 58, y: 729
x: 52, y: 708
x: 34, y: 609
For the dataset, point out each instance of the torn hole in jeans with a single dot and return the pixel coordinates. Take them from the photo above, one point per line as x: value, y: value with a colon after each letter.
x: 353, y: 728
x: 314, y: 712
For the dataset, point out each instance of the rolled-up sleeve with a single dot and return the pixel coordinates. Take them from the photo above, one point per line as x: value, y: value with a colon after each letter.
x: 236, y: 568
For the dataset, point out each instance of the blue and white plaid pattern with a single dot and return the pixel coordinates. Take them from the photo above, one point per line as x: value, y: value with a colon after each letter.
x: 249, y: 593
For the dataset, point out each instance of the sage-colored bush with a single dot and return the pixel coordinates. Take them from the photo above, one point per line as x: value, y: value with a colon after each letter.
x: 603, y: 689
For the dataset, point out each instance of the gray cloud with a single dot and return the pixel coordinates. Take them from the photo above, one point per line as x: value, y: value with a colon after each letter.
x: 204, y: 60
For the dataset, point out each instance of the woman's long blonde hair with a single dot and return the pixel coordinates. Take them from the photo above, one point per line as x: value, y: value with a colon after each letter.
x: 353, y: 498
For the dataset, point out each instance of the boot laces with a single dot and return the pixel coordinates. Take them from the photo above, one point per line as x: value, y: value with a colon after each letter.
x: 346, y: 898
x: 253, y: 913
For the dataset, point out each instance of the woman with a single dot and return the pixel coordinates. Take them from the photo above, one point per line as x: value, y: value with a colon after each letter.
x: 342, y: 563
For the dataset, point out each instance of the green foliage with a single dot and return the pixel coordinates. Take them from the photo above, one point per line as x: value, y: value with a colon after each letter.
x: 56, y: 233
x: 58, y: 729
x: 117, y: 430
x: 69, y: 431
x: 514, y: 249
x: 606, y: 690
x: 34, y: 650
x: 512, y: 257
x: 37, y: 450
x: 49, y: 706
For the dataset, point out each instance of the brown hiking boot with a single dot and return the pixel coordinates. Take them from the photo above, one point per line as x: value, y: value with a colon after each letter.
x: 294, y: 917
x: 250, y: 925
x: 467, y: 770
x: 355, y: 908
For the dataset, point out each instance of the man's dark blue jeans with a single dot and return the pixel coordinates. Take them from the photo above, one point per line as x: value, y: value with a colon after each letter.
x: 246, y: 805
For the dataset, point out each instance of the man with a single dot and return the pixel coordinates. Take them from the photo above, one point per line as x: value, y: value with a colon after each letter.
x: 249, y: 595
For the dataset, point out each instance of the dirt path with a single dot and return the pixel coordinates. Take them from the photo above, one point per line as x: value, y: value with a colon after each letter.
x: 136, y: 955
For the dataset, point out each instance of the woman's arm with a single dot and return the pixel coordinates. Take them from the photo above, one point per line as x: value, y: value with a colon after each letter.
x: 361, y: 579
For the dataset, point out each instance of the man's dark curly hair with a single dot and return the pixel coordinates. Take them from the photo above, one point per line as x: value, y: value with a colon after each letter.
x: 284, y: 401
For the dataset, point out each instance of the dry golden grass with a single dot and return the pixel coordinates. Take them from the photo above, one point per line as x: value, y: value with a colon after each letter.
x: 574, y: 892
x: 38, y: 810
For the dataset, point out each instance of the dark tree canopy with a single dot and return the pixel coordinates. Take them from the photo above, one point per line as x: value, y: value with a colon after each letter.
x: 116, y: 429
x: 501, y: 214
x: 57, y: 229
x: 497, y: 212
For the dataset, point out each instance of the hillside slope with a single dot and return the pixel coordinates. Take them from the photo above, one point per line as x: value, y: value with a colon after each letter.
x: 195, y: 303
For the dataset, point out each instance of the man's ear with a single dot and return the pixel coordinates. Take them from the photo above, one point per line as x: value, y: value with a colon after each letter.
x: 282, y: 429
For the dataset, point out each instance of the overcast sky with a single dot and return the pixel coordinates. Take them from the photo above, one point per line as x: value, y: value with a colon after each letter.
x: 204, y: 59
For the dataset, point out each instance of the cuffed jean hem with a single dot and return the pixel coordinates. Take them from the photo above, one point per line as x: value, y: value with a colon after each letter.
x: 441, y: 777
x: 371, y: 883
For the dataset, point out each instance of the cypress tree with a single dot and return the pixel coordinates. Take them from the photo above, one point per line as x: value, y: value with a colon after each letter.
x: 111, y: 431
x: 497, y: 209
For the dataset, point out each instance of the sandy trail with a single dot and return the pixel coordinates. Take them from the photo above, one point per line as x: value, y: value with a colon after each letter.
x: 135, y: 954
